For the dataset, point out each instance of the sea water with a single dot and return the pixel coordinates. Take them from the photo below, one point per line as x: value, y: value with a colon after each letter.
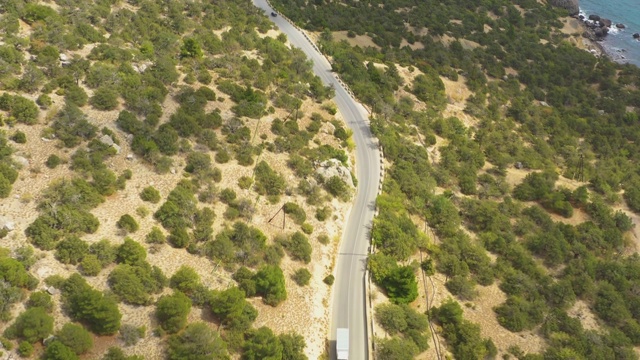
x: 619, y: 44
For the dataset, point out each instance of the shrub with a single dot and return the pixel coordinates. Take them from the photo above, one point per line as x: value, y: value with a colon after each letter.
x: 185, y: 280
x: 270, y: 285
x: 150, y: 194
x: 329, y: 279
x: 71, y: 250
x: 179, y: 238
x: 58, y: 351
x: 53, y: 161
x: 337, y: 187
x: 44, y: 101
x: 197, y: 341
x: 130, y: 334
x: 155, y: 236
x: 298, y: 247
x: 307, y: 228
x: 268, y: 182
x: 130, y: 252
x: 127, y: 223
x: 296, y: 212
x: 172, y: 311
x: 245, y: 182
x: 104, y: 98
x: 19, y: 137
x: 90, y: 265
x: 33, y: 325
x: 302, y: 277
x: 25, y: 349
x: 40, y: 299
x: 75, y: 337
x: 104, y: 251
x: 134, y: 284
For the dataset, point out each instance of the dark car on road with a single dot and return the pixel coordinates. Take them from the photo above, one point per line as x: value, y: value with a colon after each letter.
x: 274, y: 14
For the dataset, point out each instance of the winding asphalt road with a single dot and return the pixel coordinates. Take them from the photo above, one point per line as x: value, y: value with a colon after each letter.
x: 349, y: 288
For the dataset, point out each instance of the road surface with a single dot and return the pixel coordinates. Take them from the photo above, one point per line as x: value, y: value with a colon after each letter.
x: 348, y: 289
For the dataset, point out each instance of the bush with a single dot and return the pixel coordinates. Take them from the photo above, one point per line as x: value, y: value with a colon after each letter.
x: 296, y: 212
x: 25, y: 349
x: 268, y: 182
x: 58, y: 351
x: 185, y: 280
x: 197, y: 341
x: 155, y: 236
x: 245, y: 182
x: 44, y: 101
x: 301, y: 277
x: 127, y: 223
x: 307, y: 228
x: 33, y: 325
x: 130, y: 334
x: 329, y: 280
x: 90, y: 265
x: 338, y: 188
x: 104, y: 98
x: 40, y: 299
x: 53, y: 161
x: 75, y: 337
x: 71, y: 250
x: 134, y: 284
x: 270, y: 285
x: 130, y: 252
x: 298, y: 247
x: 104, y: 251
x: 150, y: 194
x: 172, y: 311
x: 19, y: 137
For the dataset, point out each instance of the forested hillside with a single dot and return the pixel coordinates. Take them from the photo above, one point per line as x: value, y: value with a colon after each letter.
x: 512, y: 172
x: 165, y: 183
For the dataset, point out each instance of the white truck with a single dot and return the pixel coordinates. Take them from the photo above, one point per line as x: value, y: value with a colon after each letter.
x: 342, y: 343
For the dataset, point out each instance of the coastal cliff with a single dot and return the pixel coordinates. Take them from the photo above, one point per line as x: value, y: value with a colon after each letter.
x: 572, y: 6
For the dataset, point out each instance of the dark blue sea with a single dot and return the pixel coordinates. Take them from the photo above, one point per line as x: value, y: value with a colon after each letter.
x: 620, y: 44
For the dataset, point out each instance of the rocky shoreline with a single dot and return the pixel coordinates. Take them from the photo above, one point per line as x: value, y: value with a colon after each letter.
x: 596, y: 29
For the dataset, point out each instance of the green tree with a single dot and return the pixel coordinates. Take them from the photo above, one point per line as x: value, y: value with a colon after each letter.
x: 127, y: 223
x: 71, y: 250
x: 233, y: 310
x: 172, y: 311
x: 190, y: 48
x: 104, y: 98
x: 85, y: 304
x: 395, y: 348
x: 75, y: 337
x: 261, y: 344
x: 270, y: 285
x: 197, y: 342
x: 90, y: 265
x: 150, y: 194
x: 58, y: 351
x: 301, y: 277
x: 130, y: 252
x: 33, y: 325
x: 185, y: 280
x: 115, y: 353
x: 40, y: 299
x: 401, y: 285
x: 104, y: 251
x: 298, y: 247
x: 292, y: 346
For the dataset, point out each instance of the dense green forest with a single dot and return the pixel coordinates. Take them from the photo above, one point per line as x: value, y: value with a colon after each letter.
x: 540, y: 103
x: 65, y: 59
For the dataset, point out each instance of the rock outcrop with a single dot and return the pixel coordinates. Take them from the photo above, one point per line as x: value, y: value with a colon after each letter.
x: 571, y: 5
x: 333, y: 167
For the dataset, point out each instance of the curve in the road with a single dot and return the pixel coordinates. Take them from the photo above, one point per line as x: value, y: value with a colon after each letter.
x: 349, y: 288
